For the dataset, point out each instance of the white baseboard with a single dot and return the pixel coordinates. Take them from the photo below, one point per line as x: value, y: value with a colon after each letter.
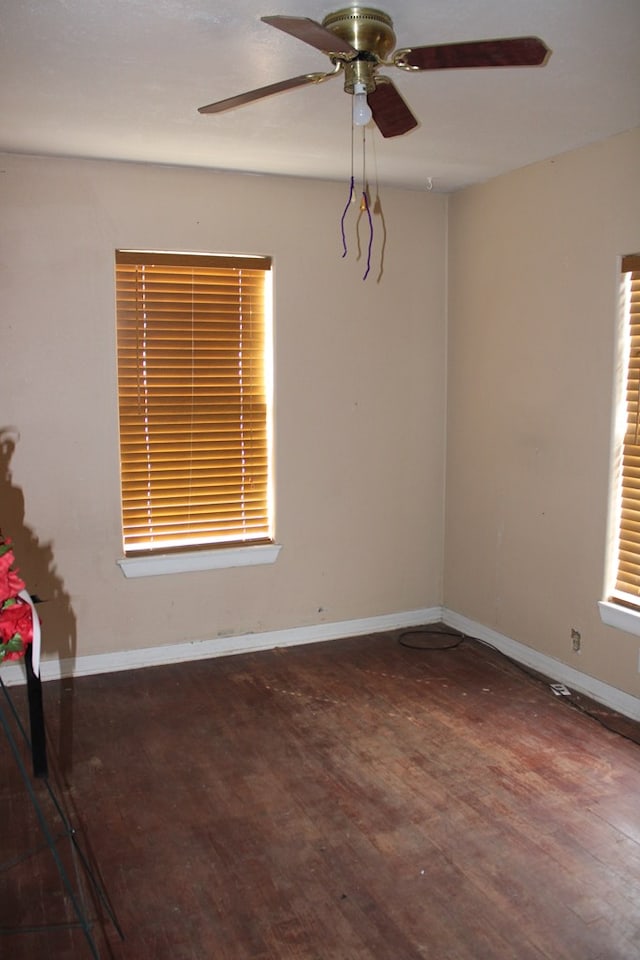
x: 611, y: 697
x: 13, y: 673
x: 556, y: 670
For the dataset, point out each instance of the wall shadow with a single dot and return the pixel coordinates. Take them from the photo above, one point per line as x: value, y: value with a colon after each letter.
x: 36, y: 564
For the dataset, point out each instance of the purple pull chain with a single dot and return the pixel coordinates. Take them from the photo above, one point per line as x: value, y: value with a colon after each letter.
x: 344, y: 239
x: 365, y: 204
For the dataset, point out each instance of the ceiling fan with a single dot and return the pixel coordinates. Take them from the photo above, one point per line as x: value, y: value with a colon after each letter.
x: 360, y: 40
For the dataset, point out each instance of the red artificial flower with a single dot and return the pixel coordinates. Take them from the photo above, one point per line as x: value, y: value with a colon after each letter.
x: 15, y: 618
x: 10, y: 582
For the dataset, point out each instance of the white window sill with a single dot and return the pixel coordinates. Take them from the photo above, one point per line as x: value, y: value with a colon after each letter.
x: 157, y: 564
x: 623, y: 618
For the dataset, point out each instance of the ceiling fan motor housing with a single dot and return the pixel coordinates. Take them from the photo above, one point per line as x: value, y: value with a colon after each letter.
x: 370, y: 32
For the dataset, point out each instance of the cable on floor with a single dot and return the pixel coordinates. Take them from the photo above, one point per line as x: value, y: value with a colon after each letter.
x: 460, y: 638
x: 429, y: 645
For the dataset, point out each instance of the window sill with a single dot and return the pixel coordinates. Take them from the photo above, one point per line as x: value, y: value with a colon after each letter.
x: 623, y: 618
x: 157, y: 564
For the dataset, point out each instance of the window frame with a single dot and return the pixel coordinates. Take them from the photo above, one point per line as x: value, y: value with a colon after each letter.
x: 211, y: 548
x: 621, y: 609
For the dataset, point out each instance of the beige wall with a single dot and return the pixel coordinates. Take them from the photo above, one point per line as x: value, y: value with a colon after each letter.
x: 533, y: 312
x: 359, y: 406
x: 360, y: 400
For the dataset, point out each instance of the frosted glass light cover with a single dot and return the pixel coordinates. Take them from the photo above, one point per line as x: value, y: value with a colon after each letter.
x: 361, y: 109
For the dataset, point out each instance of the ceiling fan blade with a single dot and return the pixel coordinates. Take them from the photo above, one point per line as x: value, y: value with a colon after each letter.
x: 261, y: 92
x: 307, y: 30
x: 390, y: 113
x: 507, y: 52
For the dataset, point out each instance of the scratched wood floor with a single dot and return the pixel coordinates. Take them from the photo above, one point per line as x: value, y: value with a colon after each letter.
x: 352, y: 800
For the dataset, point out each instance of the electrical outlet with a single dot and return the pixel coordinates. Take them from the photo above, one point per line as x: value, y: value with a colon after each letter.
x: 576, y: 640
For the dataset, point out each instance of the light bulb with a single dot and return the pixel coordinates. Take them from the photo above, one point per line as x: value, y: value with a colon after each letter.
x: 361, y: 109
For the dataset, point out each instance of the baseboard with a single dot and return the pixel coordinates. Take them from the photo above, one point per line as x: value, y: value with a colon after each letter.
x: 611, y: 697
x: 556, y: 670
x: 13, y: 674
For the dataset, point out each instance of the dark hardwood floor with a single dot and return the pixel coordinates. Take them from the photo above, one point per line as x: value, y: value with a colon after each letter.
x: 352, y: 800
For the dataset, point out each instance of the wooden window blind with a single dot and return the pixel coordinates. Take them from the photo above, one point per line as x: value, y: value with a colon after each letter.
x: 627, y: 588
x: 192, y: 396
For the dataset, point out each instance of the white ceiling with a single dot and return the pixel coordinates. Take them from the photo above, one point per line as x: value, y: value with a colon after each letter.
x: 122, y: 79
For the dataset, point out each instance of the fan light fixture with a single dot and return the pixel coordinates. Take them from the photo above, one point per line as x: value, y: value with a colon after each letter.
x: 361, y: 110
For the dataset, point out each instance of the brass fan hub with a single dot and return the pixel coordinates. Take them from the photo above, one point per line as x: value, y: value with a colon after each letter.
x: 369, y: 31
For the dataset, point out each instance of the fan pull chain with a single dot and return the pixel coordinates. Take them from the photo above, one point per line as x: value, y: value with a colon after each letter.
x: 364, y: 203
x: 344, y: 214
x: 352, y: 190
x: 364, y: 206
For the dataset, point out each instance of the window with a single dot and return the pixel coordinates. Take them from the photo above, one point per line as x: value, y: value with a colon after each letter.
x: 193, y: 344
x: 627, y: 580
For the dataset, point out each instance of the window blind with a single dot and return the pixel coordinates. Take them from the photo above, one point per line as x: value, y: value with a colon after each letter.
x: 627, y: 588
x: 194, y: 457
